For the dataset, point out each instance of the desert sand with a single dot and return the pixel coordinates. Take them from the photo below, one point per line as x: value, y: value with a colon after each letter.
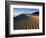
x: 31, y: 22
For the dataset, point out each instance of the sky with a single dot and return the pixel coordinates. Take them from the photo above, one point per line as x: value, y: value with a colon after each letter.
x: 18, y: 11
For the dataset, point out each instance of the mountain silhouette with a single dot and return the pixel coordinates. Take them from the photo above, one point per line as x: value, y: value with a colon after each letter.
x: 36, y: 13
x: 20, y: 17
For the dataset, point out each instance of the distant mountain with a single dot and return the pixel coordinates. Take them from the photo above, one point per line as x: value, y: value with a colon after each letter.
x: 20, y: 17
x: 36, y: 13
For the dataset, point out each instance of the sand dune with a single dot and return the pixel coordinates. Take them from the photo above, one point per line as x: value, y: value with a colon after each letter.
x: 31, y: 22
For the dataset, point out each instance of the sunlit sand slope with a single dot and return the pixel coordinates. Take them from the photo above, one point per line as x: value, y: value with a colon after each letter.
x: 30, y: 22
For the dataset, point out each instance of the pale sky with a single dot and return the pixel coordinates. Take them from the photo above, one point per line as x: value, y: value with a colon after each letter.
x: 17, y: 11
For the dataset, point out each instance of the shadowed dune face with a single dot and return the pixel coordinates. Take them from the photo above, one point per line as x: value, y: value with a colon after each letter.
x: 26, y: 22
x: 19, y: 18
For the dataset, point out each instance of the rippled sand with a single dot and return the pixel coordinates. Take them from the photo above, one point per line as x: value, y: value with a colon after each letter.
x: 32, y: 22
